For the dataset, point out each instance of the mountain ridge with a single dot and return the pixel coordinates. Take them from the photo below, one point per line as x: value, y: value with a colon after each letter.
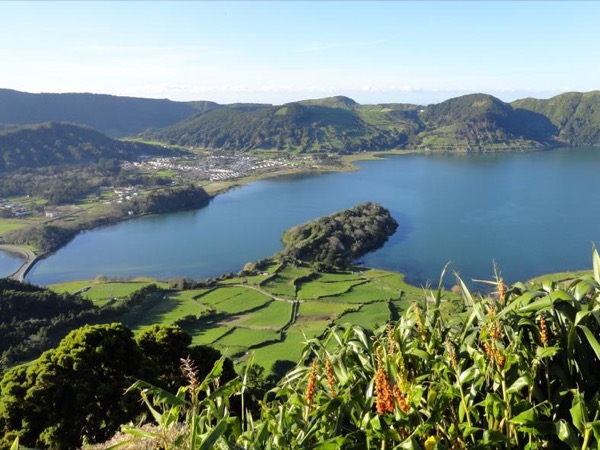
x: 472, y: 122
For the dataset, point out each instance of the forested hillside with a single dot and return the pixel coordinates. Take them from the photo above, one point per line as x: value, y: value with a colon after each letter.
x: 476, y: 122
x: 334, y: 241
x: 575, y: 115
x: 109, y: 114
x: 61, y: 144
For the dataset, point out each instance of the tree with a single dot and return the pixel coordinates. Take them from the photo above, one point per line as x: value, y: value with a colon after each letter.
x: 76, y: 392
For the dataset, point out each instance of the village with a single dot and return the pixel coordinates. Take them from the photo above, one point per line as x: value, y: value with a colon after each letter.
x: 213, y: 167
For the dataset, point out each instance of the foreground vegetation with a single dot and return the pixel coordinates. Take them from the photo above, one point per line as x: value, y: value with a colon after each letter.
x: 515, y: 369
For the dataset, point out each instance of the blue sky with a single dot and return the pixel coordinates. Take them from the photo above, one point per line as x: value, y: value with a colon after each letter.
x: 276, y: 52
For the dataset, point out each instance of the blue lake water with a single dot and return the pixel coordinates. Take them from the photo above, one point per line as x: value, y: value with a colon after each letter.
x: 9, y: 263
x: 530, y: 213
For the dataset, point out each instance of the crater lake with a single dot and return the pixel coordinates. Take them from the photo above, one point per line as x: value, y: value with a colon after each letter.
x: 529, y: 213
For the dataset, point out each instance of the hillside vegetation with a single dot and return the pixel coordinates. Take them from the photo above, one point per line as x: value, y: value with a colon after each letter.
x: 63, y: 144
x: 476, y: 122
x: 109, y: 114
x: 335, y: 241
x: 575, y: 115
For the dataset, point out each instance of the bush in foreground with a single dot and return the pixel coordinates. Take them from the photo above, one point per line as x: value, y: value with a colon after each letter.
x: 516, y: 369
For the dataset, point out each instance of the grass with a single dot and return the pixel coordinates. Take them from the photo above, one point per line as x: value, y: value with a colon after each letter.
x: 234, y: 300
x: 322, y: 310
x: 273, y: 316
x: 206, y: 336
x: 242, y: 338
x: 8, y: 225
x: 369, y: 315
x: 235, y: 316
x: 101, y: 292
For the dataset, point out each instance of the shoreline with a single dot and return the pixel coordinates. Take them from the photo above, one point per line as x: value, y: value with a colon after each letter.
x: 347, y: 165
x: 29, y: 257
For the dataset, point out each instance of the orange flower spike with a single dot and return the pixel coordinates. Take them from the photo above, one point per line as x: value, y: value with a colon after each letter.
x: 543, y: 330
x: 420, y: 326
x: 312, y: 384
x: 501, y: 289
x: 383, y: 391
x: 451, y: 354
x: 330, y: 376
x: 401, y: 399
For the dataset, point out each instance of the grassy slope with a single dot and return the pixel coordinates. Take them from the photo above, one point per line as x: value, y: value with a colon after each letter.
x: 244, y: 314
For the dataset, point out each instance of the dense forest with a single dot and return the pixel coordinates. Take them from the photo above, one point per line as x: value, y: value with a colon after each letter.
x: 52, y: 144
x: 335, y: 241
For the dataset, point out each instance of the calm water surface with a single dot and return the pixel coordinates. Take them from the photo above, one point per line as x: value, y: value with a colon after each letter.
x: 531, y: 213
x: 9, y: 263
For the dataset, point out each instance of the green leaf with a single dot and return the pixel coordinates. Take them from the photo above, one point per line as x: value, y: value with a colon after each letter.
x: 519, y: 384
x: 546, y: 352
x: 596, y: 264
x: 579, y: 412
x: 15, y: 444
x: 139, y: 433
x: 591, y: 339
x: 209, y: 441
x: 566, y: 434
x: 216, y: 372
x: 467, y: 375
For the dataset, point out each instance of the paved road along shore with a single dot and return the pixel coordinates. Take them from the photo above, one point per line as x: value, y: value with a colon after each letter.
x: 29, y: 257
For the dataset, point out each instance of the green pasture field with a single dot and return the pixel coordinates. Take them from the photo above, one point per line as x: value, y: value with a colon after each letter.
x: 164, y: 311
x: 234, y: 300
x: 242, y: 338
x: 321, y: 310
x: 205, y: 335
x: 101, y: 292
x: 274, y: 316
x: 316, y: 289
x: 369, y: 315
x: 280, y: 286
x: 364, y: 293
x: 237, y: 314
x: 289, y: 349
x: 8, y: 225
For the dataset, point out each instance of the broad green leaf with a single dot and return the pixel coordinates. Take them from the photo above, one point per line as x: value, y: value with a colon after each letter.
x: 565, y: 433
x: 159, y: 396
x: 467, y: 375
x: 213, y: 436
x: 215, y: 372
x: 419, y: 353
x: 519, y: 384
x: 591, y: 339
x: 546, y: 352
x: 139, y: 433
x: 578, y: 412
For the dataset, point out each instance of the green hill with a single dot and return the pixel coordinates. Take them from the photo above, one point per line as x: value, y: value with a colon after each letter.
x: 112, y: 115
x: 335, y: 124
x: 61, y: 143
x: 575, y: 115
x: 476, y: 122
x: 480, y: 121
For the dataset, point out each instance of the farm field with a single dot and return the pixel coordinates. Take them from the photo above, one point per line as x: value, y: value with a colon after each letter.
x: 268, y: 313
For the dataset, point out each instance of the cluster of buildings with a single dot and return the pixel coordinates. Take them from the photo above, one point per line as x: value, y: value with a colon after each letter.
x: 214, y: 167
